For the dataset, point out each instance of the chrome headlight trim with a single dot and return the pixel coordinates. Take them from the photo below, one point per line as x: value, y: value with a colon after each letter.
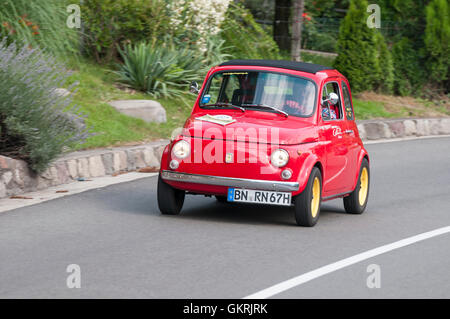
x: 181, y: 149
x: 279, y: 157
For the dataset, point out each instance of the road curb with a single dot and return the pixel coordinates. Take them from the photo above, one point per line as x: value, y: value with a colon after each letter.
x: 16, y: 178
x: 397, y: 128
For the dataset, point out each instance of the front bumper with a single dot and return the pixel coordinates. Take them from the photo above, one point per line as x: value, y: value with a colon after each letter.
x: 230, y: 181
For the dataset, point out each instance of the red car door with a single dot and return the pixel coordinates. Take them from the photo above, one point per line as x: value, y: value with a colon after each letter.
x: 333, y: 131
x: 351, y: 132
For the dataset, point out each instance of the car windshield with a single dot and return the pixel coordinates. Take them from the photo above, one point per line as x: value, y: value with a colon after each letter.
x: 262, y: 91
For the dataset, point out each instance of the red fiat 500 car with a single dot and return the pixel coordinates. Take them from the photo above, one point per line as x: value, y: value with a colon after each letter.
x: 269, y: 132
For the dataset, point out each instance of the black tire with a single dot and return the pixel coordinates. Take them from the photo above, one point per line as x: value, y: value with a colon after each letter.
x: 170, y: 200
x: 221, y: 199
x: 352, y: 203
x: 304, y: 214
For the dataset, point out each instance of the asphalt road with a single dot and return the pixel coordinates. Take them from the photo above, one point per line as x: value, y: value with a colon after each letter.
x: 125, y: 248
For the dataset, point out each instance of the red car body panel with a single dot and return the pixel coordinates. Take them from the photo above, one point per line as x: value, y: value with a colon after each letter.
x: 333, y: 146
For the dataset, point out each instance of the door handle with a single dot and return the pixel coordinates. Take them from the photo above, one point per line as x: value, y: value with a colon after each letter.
x: 348, y: 131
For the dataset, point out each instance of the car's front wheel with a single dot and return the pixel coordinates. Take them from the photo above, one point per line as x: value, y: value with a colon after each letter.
x: 307, y: 203
x: 356, y: 202
x: 170, y: 200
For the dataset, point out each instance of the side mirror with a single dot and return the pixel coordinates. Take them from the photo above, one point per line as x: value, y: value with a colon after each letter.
x: 194, y: 87
x: 332, y: 98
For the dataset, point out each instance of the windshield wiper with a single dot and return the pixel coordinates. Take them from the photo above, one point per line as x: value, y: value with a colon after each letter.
x: 267, y: 107
x: 224, y: 104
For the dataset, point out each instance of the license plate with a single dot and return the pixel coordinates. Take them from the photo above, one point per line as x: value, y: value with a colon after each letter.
x: 256, y: 196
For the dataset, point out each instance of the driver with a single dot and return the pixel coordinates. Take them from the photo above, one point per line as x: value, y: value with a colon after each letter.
x: 296, y: 103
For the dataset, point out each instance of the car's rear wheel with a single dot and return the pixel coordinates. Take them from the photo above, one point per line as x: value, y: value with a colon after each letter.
x: 170, y: 200
x: 307, y: 203
x: 356, y: 202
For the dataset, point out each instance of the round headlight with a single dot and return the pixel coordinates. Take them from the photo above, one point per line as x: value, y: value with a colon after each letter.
x: 279, y: 158
x: 181, y: 149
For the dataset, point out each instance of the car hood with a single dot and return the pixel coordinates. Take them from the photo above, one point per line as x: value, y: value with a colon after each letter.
x: 252, y: 126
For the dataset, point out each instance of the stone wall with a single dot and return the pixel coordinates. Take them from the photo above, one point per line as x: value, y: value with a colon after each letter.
x: 396, y: 128
x: 16, y: 178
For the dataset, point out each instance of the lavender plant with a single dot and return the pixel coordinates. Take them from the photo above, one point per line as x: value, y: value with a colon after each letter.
x: 37, y: 122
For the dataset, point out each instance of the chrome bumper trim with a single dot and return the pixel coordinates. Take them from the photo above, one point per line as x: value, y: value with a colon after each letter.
x: 230, y: 181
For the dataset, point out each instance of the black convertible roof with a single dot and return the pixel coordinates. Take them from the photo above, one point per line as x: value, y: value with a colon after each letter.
x: 292, y: 65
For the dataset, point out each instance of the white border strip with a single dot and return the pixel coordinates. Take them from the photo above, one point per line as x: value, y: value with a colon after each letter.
x: 402, y: 139
x: 37, y: 197
x: 299, y: 280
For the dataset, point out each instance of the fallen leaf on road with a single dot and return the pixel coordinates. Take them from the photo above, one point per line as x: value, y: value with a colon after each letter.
x: 20, y: 197
x: 148, y: 169
x: 62, y: 191
x: 119, y: 173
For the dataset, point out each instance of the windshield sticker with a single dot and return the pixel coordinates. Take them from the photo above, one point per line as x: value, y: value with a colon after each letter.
x: 206, y: 98
x: 217, y: 119
x: 236, y: 73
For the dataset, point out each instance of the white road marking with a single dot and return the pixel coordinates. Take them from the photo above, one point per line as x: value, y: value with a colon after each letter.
x: 299, y: 280
x: 402, y: 139
x: 71, y: 188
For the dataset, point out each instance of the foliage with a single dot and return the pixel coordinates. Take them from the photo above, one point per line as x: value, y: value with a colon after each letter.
x: 315, y: 38
x: 151, y: 69
x: 244, y: 37
x: 40, y: 24
x: 357, y: 49
x: 408, y: 73
x: 165, y: 69
x: 112, y: 23
x: 36, y: 122
x: 437, y: 40
x: 189, y: 19
x: 384, y: 80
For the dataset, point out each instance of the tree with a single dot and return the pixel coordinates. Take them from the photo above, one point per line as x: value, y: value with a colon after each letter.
x: 408, y: 73
x: 384, y: 80
x: 281, y: 24
x: 437, y: 40
x: 299, y: 5
x: 356, y: 48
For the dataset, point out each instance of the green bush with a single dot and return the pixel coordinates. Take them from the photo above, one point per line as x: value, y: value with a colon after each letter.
x: 357, y: 49
x: 437, y: 40
x: 408, y: 72
x: 245, y: 38
x: 384, y: 80
x: 112, y: 23
x: 40, y: 24
x: 36, y: 123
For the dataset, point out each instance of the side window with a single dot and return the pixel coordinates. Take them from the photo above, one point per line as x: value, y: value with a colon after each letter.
x: 347, y: 102
x: 330, y: 111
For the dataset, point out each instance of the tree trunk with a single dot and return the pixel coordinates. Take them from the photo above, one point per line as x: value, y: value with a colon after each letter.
x: 281, y: 24
x: 297, y: 20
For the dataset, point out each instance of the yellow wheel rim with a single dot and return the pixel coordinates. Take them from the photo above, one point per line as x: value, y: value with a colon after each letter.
x: 315, y: 201
x: 364, y: 186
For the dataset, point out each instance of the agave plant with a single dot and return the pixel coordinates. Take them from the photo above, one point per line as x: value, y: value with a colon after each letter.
x: 152, y: 69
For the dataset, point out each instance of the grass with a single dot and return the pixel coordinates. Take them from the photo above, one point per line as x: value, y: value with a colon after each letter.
x: 365, y: 110
x: 109, y: 127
